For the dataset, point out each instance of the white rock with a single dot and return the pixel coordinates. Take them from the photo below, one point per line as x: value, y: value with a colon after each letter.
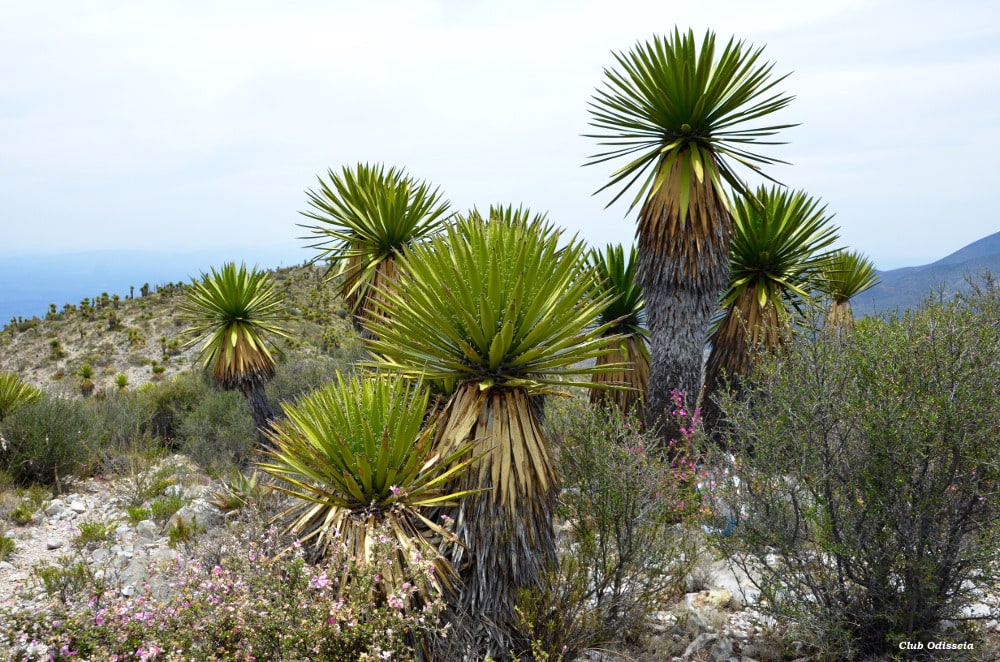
x: 78, y: 506
x: 56, y: 509
x: 723, y: 576
x: 163, y: 554
x: 147, y: 529
x: 976, y: 610
x: 54, y: 543
x: 6, y: 566
x: 200, y: 511
x: 700, y: 643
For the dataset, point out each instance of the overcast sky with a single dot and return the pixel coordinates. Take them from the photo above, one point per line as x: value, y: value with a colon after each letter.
x: 184, y: 125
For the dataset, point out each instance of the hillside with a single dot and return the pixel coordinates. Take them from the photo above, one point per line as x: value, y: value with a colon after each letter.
x: 907, y: 287
x: 141, y: 336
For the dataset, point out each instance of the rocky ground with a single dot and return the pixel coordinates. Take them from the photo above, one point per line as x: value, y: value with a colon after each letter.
x: 710, y: 623
x: 716, y: 621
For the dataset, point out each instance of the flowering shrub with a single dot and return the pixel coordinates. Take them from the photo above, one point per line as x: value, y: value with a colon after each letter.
x: 629, y: 501
x: 239, y: 602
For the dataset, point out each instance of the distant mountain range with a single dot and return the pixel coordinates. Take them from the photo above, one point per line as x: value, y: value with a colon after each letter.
x: 907, y: 287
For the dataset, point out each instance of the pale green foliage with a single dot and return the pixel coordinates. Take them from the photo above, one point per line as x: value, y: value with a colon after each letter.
x: 355, y: 453
x: 868, y: 476
x: 14, y: 393
x: 495, y: 301
x: 366, y: 216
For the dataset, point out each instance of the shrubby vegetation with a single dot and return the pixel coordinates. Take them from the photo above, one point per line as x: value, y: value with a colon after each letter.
x: 51, y: 439
x: 869, y: 483
x: 629, y: 505
x: 238, y: 599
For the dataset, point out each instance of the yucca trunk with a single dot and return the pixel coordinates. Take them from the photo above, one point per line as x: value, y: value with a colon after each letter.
x: 364, y: 301
x: 683, y: 267
x: 260, y: 408
x: 636, y: 377
x: 353, y: 291
x: 840, y: 317
x: 506, y: 528
x: 747, y: 329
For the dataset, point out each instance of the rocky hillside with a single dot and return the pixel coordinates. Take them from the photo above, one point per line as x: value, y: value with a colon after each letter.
x: 141, y: 337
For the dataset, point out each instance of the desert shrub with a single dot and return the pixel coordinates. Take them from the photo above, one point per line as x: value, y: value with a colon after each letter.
x: 298, y: 373
x: 868, y: 477
x: 163, y: 507
x: 92, y: 534
x: 172, y: 401
x: 629, y: 503
x: 218, y: 432
x: 67, y: 579
x: 125, y: 424
x: 7, y: 547
x: 240, y: 600
x: 557, y: 619
x: 47, y: 441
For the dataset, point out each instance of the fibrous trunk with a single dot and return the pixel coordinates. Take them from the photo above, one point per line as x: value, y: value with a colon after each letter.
x: 635, y: 376
x: 260, y: 409
x: 506, y: 528
x: 683, y: 267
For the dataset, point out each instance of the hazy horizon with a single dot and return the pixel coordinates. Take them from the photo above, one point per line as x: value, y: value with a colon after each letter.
x: 30, y: 282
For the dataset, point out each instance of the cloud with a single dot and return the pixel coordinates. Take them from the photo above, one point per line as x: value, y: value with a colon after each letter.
x: 210, y: 119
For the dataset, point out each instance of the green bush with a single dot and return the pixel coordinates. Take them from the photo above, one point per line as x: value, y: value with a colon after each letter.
x: 48, y: 441
x: 219, y: 431
x: 868, y: 476
x: 298, y: 373
x: 163, y: 507
x: 629, y: 504
x: 93, y: 534
x: 125, y: 425
x: 7, y: 547
x: 172, y: 401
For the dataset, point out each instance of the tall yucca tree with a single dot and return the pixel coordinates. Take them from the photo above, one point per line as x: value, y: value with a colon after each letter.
x: 366, y: 216
x: 235, y: 313
x: 497, y: 311
x: 625, y: 320
x: 777, y: 253
x: 15, y: 393
x: 683, y: 115
x: 848, y: 274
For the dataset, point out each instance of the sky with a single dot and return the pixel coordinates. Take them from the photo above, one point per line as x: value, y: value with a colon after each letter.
x: 185, y: 125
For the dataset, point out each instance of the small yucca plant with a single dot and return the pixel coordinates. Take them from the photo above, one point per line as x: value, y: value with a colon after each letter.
x: 14, y: 393
x: 367, y: 216
x: 357, y: 456
x: 234, y: 313
x: 777, y: 251
x: 847, y: 274
x: 625, y: 318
